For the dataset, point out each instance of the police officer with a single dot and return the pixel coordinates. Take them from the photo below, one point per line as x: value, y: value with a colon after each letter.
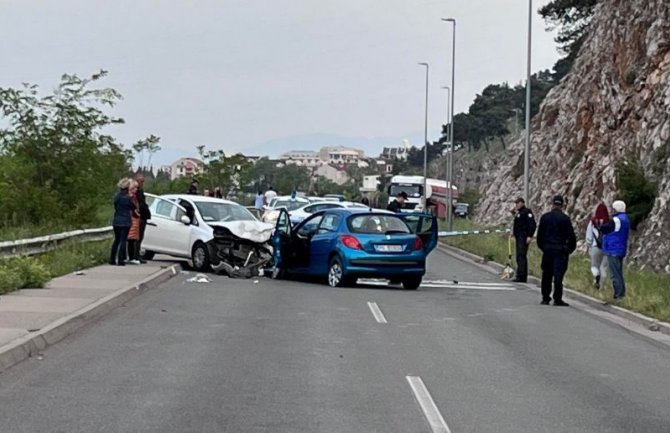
x: 397, y: 204
x: 556, y: 238
x: 524, y: 230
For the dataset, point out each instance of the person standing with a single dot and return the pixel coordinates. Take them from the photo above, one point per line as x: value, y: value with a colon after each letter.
x: 270, y: 194
x: 615, y: 245
x: 193, y: 188
x: 556, y: 238
x: 524, y: 230
x: 123, y: 206
x: 134, y: 231
x: 594, y: 244
x: 217, y: 192
x: 145, y: 213
x: 258, y: 203
x: 398, y: 203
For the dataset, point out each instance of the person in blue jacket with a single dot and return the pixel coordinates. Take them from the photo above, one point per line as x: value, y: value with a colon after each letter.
x: 123, y: 206
x: 615, y: 245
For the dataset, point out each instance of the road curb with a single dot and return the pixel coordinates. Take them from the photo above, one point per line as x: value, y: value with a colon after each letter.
x: 649, y: 323
x: 16, y: 351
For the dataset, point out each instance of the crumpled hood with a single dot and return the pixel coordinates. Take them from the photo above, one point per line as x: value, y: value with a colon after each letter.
x: 254, y: 231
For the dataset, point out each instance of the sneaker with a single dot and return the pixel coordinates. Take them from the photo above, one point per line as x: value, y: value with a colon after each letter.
x: 133, y: 262
x: 112, y: 263
x: 143, y: 261
x: 520, y: 280
x: 596, y: 284
x: 544, y: 302
x: 561, y: 304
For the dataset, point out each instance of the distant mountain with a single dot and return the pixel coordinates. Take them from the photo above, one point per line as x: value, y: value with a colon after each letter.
x: 372, y: 146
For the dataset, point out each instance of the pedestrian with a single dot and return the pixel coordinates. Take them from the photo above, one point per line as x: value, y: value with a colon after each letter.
x: 556, y: 238
x: 270, y: 194
x: 123, y: 206
x: 258, y: 203
x: 193, y: 188
x: 594, y: 245
x: 145, y: 214
x: 206, y: 193
x: 398, y: 203
x: 615, y: 245
x: 217, y: 192
x: 523, y: 232
x: 134, y: 231
x: 365, y: 201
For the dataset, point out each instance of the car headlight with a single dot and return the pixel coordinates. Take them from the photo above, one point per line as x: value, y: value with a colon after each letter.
x: 271, y: 217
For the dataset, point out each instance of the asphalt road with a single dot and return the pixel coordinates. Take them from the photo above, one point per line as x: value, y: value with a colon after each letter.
x: 234, y: 356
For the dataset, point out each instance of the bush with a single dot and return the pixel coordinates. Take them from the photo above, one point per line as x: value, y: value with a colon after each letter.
x: 636, y: 190
x: 31, y: 273
x: 9, y: 280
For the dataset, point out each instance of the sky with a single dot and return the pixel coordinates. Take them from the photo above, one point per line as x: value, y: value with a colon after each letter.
x: 259, y: 75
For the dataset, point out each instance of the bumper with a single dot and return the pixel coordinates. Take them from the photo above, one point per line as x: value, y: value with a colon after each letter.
x: 383, y: 266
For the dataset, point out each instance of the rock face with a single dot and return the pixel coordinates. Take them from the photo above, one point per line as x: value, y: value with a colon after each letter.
x: 614, y: 104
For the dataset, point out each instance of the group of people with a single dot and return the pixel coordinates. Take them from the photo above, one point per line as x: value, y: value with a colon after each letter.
x: 193, y: 190
x: 131, y: 214
x: 606, y: 240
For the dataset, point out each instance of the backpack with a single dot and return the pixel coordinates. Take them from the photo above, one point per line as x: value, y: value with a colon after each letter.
x: 598, y: 237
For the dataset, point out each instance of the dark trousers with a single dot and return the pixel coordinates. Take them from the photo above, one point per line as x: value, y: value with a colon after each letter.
x: 616, y: 267
x: 554, y: 267
x: 133, y: 249
x: 119, y: 245
x: 143, y: 228
x: 521, y: 258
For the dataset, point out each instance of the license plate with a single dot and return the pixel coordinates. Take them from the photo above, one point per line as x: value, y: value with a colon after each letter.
x: 388, y: 248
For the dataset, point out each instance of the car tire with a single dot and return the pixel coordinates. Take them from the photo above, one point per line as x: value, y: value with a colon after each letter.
x: 336, y: 277
x: 411, y: 283
x: 200, y: 257
x: 147, y: 255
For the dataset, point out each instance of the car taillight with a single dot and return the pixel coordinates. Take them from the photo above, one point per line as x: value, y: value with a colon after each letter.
x: 351, y: 242
x: 417, y: 244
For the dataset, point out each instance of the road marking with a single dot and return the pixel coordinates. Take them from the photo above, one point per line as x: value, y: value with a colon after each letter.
x: 444, y: 284
x: 468, y: 283
x: 430, y: 410
x: 379, y: 316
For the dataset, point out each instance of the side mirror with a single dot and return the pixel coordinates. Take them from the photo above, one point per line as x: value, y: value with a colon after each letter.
x: 186, y: 220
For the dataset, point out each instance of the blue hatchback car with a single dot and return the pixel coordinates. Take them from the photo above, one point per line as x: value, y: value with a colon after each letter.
x: 343, y: 245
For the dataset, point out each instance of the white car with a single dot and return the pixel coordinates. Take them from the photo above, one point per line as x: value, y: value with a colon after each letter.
x: 183, y: 225
x: 286, y: 202
x: 298, y: 215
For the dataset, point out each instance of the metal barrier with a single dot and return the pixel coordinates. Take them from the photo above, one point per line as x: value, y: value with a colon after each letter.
x: 33, y: 246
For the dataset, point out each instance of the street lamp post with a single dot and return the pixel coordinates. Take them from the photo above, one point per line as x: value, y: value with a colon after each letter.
x: 526, y: 156
x: 425, y: 144
x: 451, y: 130
x: 447, y: 154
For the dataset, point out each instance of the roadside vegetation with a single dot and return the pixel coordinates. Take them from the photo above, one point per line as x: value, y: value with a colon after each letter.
x: 36, y: 271
x: 647, y: 292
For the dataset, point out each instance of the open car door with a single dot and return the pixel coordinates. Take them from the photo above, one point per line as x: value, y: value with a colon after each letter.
x: 281, y: 243
x: 425, y: 226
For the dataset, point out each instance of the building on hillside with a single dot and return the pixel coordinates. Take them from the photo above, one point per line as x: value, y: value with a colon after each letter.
x: 370, y: 183
x: 188, y: 167
x: 303, y: 158
x: 332, y: 173
x: 341, y: 155
x: 396, y: 153
x: 252, y: 159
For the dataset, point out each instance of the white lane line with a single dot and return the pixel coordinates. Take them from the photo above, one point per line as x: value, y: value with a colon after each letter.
x: 464, y: 287
x: 379, y: 316
x: 468, y: 283
x: 430, y: 410
x: 445, y: 285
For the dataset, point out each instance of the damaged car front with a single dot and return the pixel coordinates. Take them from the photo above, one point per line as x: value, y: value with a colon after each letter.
x: 240, y: 249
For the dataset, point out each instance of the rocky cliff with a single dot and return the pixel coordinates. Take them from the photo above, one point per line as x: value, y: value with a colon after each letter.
x: 613, y: 106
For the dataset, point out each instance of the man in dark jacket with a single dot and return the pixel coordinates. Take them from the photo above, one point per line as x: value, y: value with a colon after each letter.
x: 193, y: 188
x: 524, y: 230
x: 145, y: 213
x: 397, y: 204
x: 556, y: 238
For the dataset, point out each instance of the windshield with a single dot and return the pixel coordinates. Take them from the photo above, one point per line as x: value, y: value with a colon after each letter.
x: 289, y: 204
x: 410, y: 190
x: 223, y: 212
x: 377, y: 224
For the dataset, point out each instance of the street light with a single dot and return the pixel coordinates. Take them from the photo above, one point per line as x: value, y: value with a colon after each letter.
x: 448, y: 148
x: 451, y: 130
x: 425, y: 144
x: 526, y: 156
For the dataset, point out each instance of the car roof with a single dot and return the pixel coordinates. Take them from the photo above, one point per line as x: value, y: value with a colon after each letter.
x: 355, y: 211
x: 200, y: 198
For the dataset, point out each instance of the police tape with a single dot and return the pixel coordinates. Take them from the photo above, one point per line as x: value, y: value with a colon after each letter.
x: 471, y: 232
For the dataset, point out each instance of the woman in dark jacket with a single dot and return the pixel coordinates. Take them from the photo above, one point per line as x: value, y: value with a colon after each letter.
x: 123, y: 206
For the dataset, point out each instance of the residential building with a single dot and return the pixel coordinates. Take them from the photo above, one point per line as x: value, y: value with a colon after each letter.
x: 399, y: 152
x: 332, y: 173
x: 370, y: 183
x: 184, y: 167
x: 341, y: 155
x: 304, y: 158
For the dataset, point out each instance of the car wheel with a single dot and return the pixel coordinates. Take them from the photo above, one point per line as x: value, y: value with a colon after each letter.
x: 200, y: 257
x: 336, y: 277
x: 147, y: 255
x: 411, y: 283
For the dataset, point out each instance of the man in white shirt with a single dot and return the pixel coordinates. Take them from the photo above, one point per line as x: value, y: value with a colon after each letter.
x: 269, y: 195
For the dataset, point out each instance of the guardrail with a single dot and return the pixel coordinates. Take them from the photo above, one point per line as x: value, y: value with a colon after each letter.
x: 30, y: 247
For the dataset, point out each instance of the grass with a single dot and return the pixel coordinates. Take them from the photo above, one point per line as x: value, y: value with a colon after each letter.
x: 647, y: 292
x: 36, y: 271
x: 102, y: 218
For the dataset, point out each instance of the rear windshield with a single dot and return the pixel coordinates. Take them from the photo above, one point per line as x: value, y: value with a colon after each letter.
x: 377, y: 224
x: 290, y: 204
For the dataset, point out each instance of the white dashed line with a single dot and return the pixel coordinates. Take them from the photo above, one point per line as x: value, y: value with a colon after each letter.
x: 428, y: 406
x: 379, y: 316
